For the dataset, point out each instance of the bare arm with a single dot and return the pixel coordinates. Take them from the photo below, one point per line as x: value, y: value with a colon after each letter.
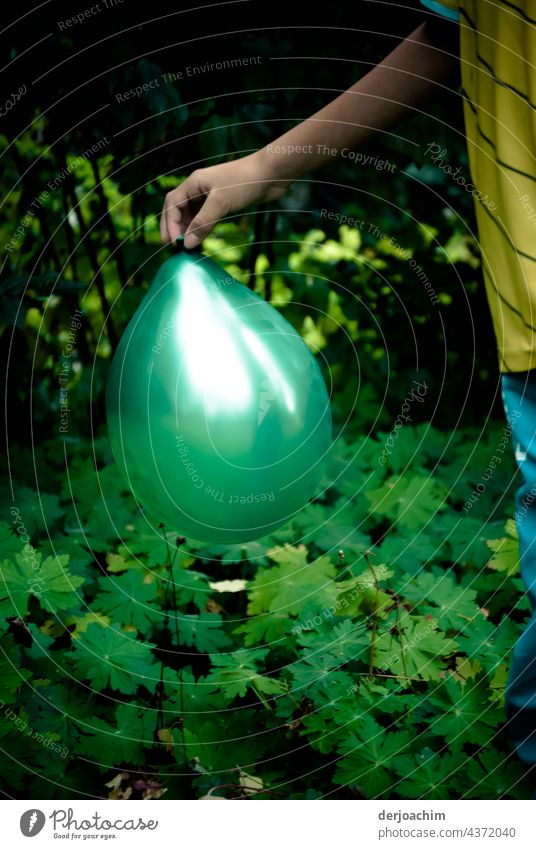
x: 403, y: 83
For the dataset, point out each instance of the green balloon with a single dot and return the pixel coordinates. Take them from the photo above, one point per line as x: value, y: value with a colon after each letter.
x: 217, y: 411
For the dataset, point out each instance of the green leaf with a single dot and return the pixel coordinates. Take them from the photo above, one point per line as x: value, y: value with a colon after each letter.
x: 406, y: 450
x: 12, y: 671
x: 409, y: 552
x: 492, y: 644
x: 104, y: 506
x: 368, y: 758
x: 319, y: 734
x: 409, y: 500
x: 218, y: 745
x: 490, y: 777
x: 108, y: 658
x: 49, y: 581
x: 254, y: 551
x: 363, y: 592
x: 237, y: 671
x: 261, y: 593
x: 270, y: 628
x: 127, y: 600
x: 10, y: 543
x: 105, y: 524
x: 333, y: 529
x: 205, y: 632
x: 22, y: 749
x: 291, y: 555
x: 453, y: 606
x: 465, y: 714
x: 63, y: 710
x: 79, y: 556
x: 89, y: 484
x: 429, y: 773
x: 187, y: 696
x: 60, y: 585
x: 293, y: 584
x: 505, y: 551
x: 341, y: 644
x: 37, y: 510
x: 345, y: 463
x: 192, y: 586
x: 420, y: 650
x: 15, y: 587
x: 122, y: 743
x: 317, y: 678
x: 152, y: 547
x: 463, y: 538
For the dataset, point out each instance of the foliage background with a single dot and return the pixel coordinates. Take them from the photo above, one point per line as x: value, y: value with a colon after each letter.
x: 362, y: 650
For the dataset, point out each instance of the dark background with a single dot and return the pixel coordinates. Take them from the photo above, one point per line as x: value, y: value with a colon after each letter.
x: 307, y: 57
x: 93, y: 245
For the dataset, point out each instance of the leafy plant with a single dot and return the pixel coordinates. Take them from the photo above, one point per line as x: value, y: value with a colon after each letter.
x: 374, y: 656
x: 361, y: 650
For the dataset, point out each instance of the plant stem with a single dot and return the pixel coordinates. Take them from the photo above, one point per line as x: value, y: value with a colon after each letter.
x: 271, y: 225
x: 94, y: 262
x: 256, y: 247
x: 400, y: 638
x: 171, y: 561
x: 375, y: 614
x: 117, y: 252
x: 386, y: 675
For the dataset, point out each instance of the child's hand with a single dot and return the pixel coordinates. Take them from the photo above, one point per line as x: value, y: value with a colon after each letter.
x: 210, y: 194
x: 391, y: 92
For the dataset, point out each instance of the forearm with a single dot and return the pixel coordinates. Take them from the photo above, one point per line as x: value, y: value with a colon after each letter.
x: 406, y: 80
x: 402, y: 84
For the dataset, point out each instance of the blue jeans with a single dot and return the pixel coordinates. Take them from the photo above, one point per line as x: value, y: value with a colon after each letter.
x: 519, y: 399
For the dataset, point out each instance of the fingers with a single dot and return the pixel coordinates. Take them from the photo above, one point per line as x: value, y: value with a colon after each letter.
x: 212, y: 211
x: 164, y: 233
x: 170, y: 219
x: 176, y: 213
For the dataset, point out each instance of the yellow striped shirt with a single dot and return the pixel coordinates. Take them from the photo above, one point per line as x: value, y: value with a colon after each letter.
x: 498, y: 72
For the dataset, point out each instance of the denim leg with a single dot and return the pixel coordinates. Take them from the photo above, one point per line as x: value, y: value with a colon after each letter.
x: 519, y: 399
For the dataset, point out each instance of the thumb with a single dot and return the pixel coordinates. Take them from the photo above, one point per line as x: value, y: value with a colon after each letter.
x: 212, y: 211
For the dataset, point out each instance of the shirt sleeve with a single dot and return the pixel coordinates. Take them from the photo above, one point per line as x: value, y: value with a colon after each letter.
x: 447, y: 8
